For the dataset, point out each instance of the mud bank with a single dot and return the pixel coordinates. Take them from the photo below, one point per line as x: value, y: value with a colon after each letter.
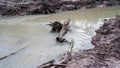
x: 30, y: 7
x: 106, y: 53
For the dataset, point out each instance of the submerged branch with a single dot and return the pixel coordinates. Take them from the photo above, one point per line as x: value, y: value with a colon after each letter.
x: 12, y: 53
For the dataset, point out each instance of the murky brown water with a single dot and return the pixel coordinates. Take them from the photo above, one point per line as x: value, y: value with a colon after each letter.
x: 32, y: 33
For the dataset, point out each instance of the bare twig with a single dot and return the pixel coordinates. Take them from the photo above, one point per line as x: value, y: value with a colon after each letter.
x: 12, y: 53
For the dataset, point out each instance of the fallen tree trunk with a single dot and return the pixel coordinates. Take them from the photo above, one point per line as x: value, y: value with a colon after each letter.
x: 63, y: 32
x: 61, y: 28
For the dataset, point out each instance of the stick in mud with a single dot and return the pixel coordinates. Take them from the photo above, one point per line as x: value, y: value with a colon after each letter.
x: 71, y: 47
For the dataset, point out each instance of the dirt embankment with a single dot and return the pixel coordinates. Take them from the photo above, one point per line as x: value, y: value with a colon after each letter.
x: 30, y: 7
x: 106, y: 53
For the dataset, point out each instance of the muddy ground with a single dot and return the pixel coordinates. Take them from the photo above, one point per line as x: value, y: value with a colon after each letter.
x: 30, y: 7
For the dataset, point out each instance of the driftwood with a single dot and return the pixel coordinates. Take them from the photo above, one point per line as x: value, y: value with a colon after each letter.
x: 60, y: 28
x: 47, y: 64
x: 51, y: 64
x: 63, y: 31
x: 69, y: 52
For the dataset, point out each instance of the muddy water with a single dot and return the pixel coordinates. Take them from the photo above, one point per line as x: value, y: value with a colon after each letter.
x: 28, y: 37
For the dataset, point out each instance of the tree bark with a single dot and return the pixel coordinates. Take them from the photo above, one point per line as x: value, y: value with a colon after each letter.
x: 63, y: 32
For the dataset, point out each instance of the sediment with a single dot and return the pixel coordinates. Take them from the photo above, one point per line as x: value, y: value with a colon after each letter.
x: 31, y: 7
